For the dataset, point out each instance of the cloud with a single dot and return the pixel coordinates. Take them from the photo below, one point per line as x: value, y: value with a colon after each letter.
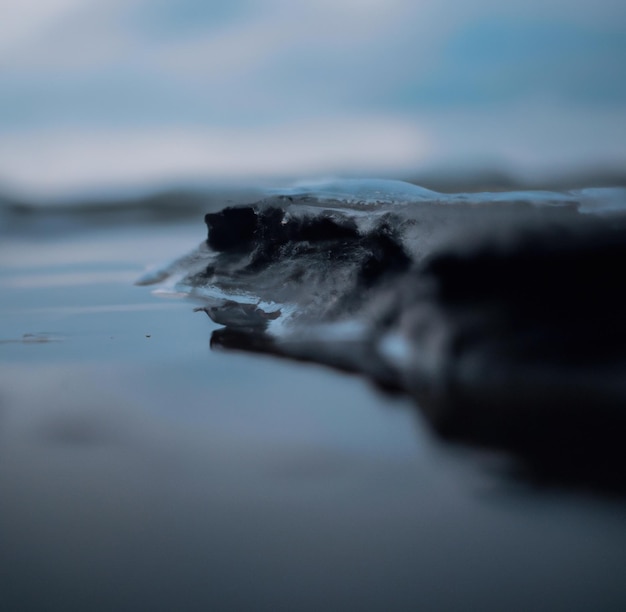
x: 68, y: 161
x: 23, y: 21
x: 161, y: 87
x: 534, y: 136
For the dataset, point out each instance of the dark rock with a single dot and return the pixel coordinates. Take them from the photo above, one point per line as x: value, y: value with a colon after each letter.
x: 515, y: 339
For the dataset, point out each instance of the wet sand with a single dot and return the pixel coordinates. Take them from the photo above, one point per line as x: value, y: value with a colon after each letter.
x: 141, y: 470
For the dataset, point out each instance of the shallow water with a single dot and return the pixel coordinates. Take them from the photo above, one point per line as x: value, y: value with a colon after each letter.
x: 139, y: 469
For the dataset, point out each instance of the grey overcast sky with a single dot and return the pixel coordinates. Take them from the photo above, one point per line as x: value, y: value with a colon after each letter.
x: 143, y: 92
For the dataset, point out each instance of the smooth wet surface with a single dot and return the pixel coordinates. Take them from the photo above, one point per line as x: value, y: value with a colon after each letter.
x: 141, y: 470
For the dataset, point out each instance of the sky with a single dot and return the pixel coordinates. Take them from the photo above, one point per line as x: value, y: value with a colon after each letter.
x: 128, y: 93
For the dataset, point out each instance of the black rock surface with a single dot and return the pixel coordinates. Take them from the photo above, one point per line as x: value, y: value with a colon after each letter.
x: 505, y: 321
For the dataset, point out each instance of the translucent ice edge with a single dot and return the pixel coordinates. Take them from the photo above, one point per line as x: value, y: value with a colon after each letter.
x: 382, y: 191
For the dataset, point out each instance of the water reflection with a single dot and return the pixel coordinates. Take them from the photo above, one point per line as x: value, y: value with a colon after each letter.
x: 156, y: 474
x: 557, y: 441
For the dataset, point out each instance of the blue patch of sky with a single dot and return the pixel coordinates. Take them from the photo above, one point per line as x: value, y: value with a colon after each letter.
x: 167, y: 20
x: 491, y: 62
x: 483, y: 64
x: 102, y: 99
x: 126, y: 98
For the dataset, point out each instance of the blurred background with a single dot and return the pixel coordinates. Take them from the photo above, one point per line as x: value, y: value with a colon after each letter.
x: 139, y: 95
